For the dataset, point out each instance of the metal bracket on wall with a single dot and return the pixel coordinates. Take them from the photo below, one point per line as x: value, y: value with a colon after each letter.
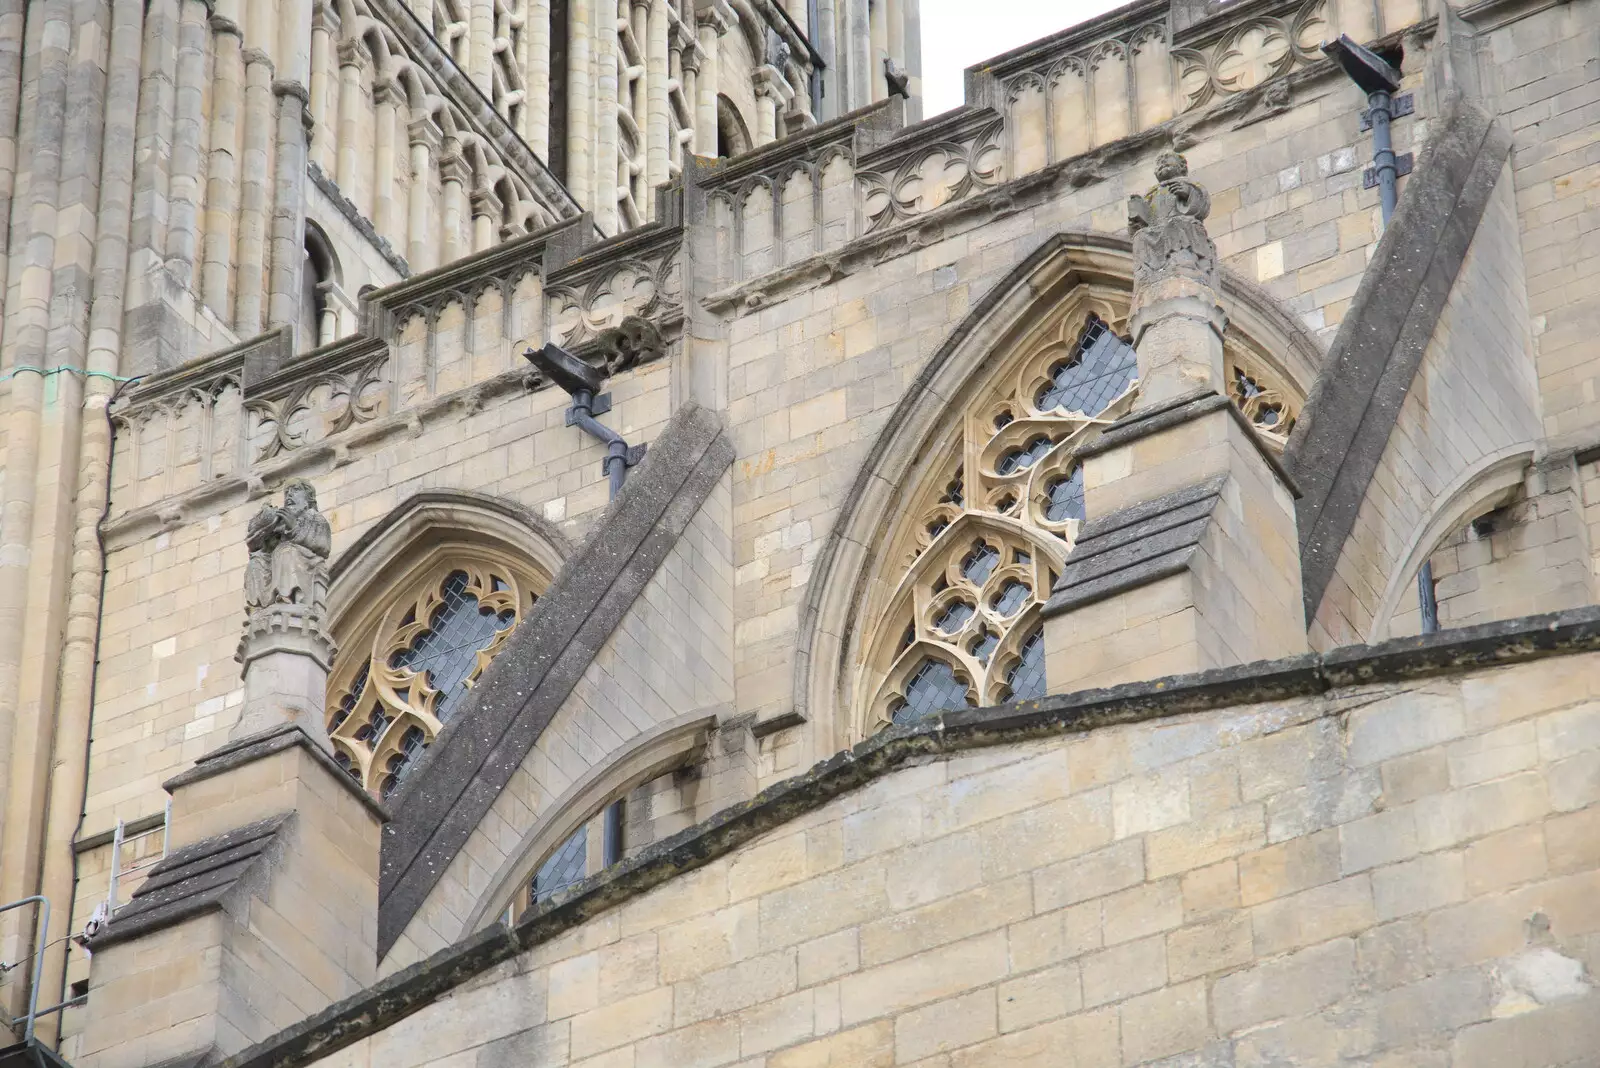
x: 1403, y: 105
x: 1402, y: 167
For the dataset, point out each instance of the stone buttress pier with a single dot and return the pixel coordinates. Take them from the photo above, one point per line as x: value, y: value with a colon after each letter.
x: 265, y: 908
x: 1188, y: 560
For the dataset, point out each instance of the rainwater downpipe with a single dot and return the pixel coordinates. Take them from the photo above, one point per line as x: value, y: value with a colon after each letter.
x: 1373, y: 74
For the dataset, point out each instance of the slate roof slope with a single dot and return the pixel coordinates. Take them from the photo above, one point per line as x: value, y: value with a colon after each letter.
x: 460, y: 776
x: 1136, y: 545
x: 192, y: 880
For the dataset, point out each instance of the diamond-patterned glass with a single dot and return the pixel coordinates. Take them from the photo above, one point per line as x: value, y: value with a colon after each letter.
x: 1012, y: 596
x: 448, y: 650
x: 401, y: 763
x: 980, y: 563
x: 564, y: 868
x: 1025, y: 680
x: 1066, y: 498
x: 983, y: 646
x: 954, y: 617
x: 933, y: 688
x: 1094, y: 375
x: 1023, y: 458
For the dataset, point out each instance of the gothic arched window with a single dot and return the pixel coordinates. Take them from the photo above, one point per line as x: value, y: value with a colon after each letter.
x: 954, y: 619
x: 406, y: 676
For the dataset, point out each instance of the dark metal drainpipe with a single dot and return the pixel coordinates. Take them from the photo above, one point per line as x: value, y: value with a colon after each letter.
x: 1379, y: 81
x: 582, y: 381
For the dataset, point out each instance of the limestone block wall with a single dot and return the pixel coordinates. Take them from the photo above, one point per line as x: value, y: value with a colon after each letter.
x: 168, y: 688
x: 1390, y: 874
x: 1474, y: 399
x: 839, y: 309
x: 1542, y: 70
x: 669, y: 658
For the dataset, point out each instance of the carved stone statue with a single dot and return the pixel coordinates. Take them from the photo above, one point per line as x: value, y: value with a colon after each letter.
x: 285, y: 651
x: 1168, y: 227
x: 289, y: 549
x: 1176, y: 321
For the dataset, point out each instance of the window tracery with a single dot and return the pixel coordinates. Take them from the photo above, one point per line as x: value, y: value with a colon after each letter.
x: 406, y: 676
x: 981, y: 547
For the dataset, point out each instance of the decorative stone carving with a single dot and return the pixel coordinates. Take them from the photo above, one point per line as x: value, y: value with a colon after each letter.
x: 1176, y: 322
x: 289, y: 549
x: 285, y: 651
x: 1168, y: 228
x: 628, y: 344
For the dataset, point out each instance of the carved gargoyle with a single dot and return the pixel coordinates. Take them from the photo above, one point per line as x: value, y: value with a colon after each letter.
x: 633, y: 341
x: 1168, y: 228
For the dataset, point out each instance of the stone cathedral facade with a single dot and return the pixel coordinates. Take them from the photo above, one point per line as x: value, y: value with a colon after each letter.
x: 536, y: 533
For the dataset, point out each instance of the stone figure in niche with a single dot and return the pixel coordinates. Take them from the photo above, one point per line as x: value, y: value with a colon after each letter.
x: 289, y: 549
x: 1168, y: 228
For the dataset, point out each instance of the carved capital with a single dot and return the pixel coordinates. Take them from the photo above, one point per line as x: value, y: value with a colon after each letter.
x: 255, y: 56
x: 715, y: 15
x: 424, y: 131
x: 353, y: 53
x: 221, y: 24
x: 486, y: 203
x: 325, y: 17
x: 288, y: 87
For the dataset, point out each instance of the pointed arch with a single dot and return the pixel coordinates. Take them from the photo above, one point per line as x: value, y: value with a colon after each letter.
x: 419, y: 606
x: 842, y: 682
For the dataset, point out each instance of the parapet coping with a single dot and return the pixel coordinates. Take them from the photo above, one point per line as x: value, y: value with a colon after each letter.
x: 1177, y: 411
x: 265, y: 743
x: 407, y: 991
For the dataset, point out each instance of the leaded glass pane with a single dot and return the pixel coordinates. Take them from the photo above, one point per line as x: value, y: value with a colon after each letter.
x: 565, y: 867
x: 954, y: 617
x: 980, y: 563
x: 447, y: 652
x: 983, y: 646
x: 1096, y: 373
x: 1023, y: 458
x: 401, y: 763
x: 1012, y: 596
x: 1066, y: 498
x: 933, y: 688
x: 1025, y: 680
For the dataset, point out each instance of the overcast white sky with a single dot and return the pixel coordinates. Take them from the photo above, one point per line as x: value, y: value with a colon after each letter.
x: 959, y: 33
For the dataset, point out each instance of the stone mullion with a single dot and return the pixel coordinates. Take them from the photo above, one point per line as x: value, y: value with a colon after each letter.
x: 188, y: 140
x: 324, y: 31
x: 83, y: 589
x: 12, y: 19
x: 353, y: 61
x: 581, y: 15
x: 254, y: 169
x: 536, y: 77
x: 480, y: 46
x: 152, y: 180
x: 222, y: 193
x: 425, y: 140
x: 705, y: 125
x: 452, y: 184
x: 658, y: 128
x: 41, y: 143
x: 608, y: 59
x: 386, y: 96
x: 288, y: 204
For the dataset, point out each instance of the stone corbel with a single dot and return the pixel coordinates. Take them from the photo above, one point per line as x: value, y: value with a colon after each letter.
x: 769, y: 81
